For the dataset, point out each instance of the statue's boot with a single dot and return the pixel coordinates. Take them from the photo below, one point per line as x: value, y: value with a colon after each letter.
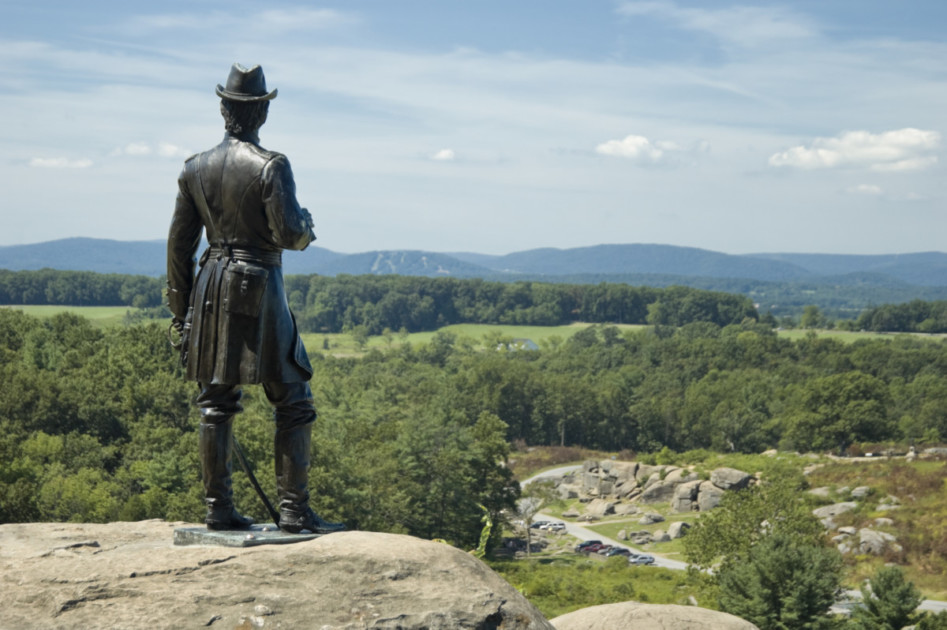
x: 216, y: 448
x: 292, y: 482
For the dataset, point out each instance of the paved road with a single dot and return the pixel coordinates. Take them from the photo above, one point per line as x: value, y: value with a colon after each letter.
x: 849, y: 599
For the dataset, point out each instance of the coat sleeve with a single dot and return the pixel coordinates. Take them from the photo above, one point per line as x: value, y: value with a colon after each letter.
x: 290, y: 226
x: 183, y: 240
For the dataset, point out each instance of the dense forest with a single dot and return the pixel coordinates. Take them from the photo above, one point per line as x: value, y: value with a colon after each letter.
x: 97, y: 425
x: 337, y: 304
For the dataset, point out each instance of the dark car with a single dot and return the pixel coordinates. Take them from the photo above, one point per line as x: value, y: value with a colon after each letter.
x: 617, y: 551
x: 587, y: 543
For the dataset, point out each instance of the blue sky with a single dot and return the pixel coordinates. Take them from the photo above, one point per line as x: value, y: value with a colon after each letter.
x: 495, y: 126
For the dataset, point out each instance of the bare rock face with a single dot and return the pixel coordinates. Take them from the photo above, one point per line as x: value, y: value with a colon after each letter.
x: 730, y: 478
x: 635, y: 616
x: 129, y: 575
x: 709, y: 496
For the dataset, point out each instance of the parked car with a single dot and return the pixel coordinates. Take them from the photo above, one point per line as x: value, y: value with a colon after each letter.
x: 555, y: 527
x: 587, y: 543
x: 641, y: 558
x: 604, y: 549
x: 538, y: 524
x: 592, y: 548
x: 617, y: 551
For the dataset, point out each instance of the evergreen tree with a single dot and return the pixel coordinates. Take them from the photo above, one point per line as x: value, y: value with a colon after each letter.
x: 888, y: 602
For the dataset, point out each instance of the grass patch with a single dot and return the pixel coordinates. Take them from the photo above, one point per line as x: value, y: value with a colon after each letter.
x: 100, y: 316
x: 562, y: 584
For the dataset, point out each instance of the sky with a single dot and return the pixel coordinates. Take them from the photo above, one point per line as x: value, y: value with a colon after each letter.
x: 494, y: 126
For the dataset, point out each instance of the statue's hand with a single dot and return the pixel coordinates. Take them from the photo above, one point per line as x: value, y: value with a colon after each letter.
x: 178, y: 325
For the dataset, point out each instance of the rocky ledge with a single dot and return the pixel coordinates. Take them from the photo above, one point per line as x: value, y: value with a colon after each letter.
x: 130, y: 575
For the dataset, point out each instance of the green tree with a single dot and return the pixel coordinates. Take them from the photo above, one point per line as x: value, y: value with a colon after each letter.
x: 889, y: 602
x: 744, y: 518
x: 931, y: 621
x: 782, y: 585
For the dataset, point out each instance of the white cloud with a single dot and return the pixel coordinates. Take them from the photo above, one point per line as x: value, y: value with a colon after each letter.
x: 741, y: 25
x: 638, y: 149
x: 137, y: 148
x: 865, y: 189
x: 60, y: 163
x: 168, y: 150
x: 444, y: 155
x: 899, y: 150
x: 141, y: 149
x: 275, y: 20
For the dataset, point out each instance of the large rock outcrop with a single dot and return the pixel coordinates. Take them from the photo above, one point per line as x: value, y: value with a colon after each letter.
x: 129, y: 575
x: 634, y: 616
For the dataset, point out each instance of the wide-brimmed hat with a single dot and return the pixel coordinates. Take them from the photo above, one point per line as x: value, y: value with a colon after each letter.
x: 245, y: 85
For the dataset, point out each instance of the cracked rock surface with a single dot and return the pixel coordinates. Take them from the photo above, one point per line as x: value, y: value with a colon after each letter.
x: 129, y: 575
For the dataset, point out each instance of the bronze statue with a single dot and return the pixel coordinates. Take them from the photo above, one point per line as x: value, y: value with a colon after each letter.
x: 233, y: 316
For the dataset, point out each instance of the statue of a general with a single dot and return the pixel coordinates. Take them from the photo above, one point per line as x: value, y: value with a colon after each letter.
x: 236, y: 324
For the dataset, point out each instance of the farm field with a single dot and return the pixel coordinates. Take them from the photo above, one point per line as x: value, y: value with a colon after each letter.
x: 101, y: 316
x: 345, y: 344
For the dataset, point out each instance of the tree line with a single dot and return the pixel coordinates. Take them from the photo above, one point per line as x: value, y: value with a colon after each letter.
x: 412, y: 303
x: 98, y: 425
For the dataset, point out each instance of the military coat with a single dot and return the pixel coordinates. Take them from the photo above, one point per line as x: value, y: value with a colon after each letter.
x: 238, y: 325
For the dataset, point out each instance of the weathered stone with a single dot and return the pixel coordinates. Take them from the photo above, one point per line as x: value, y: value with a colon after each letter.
x: 600, y: 508
x: 835, y: 509
x: 861, y: 492
x: 568, y: 491
x: 645, y: 471
x: 848, y: 531
x: 875, y: 542
x: 135, y: 578
x: 571, y: 513
x: 822, y: 492
x: 650, y: 518
x: 770, y: 453
x: 887, y: 506
x: 641, y: 538
x: 659, y: 492
x: 660, y: 536
x: 635, y: 616
x: 622, y: 534
x: 681, y: 475
x: 882, y: 521
x: 730, y: 478
x: 684, y: 496
x: 651, y: 480
x: 624, y: 509
x: 625, y: 471
x: 677, y: 529
x: 708, y: 496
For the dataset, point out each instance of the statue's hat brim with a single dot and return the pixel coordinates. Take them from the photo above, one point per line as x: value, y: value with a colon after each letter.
x: 245, y: 85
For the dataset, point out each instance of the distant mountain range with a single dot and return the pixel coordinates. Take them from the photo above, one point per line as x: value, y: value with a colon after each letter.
x: 661, y: 264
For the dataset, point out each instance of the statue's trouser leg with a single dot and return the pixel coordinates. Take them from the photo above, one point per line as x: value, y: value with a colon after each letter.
x: 218, y: 405
x: 294, y: 417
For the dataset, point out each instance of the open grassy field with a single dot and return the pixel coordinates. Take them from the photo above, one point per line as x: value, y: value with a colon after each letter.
x: 101, y: 316
x: 344, y: 344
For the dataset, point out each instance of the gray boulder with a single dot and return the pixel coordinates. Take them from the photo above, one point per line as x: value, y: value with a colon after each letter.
x: 600, y: 507
x: 635, y: 616
x: 685, y: 495
x: 708, y: 496
x: 875, y: 542
x: 129, y: 575
x: 651, y: 518
x: 624, y: 509
x: 681, y: 475
x: 678, y: 529
x: 644, y: 472
x: 861, y: 492
x: 828, y: 511
x: 730, y: 478
x: 660, y: 536
x: 658, y: 492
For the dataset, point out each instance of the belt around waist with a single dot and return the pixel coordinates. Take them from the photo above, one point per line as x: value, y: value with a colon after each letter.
x: 259, y: 256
